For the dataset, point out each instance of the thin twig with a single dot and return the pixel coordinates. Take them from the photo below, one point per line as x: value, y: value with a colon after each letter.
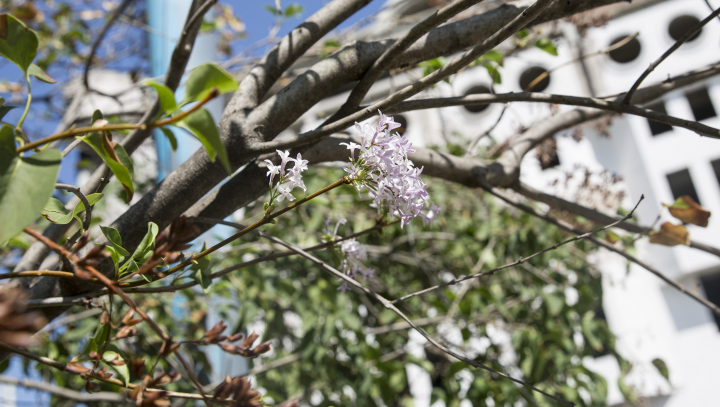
x: 389, y: 305
x: 608, y: 104
x: 480, y: 136
x: 75, y: 131
x: 566, y: 226
x: 65, y: 393
x: 98, y: 39
x: 521, y: 260
x: 678, y: 43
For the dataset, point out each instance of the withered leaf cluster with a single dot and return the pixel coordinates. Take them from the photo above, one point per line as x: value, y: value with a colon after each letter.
x: 238, y: 389
x: 245, y: 349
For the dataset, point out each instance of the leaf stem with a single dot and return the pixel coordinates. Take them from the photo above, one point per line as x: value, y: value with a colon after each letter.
x: 72, y: 132
x: 27, y: 108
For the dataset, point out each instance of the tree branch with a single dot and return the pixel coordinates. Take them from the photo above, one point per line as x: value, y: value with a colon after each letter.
x: 678, y: 43
x: 566, y: 226
x: 66, y: 393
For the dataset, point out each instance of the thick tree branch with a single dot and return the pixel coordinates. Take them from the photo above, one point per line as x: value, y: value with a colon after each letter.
x: 388, y: 57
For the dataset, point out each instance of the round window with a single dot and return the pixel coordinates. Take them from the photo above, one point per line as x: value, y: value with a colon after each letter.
x: 681, y: 25
x: 474, y: 91
x: 626, y: 52
x: 534, y: 79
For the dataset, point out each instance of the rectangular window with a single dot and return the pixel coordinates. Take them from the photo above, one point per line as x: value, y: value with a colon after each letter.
x: 716, y: 167
x: 681, y: 184
x: 657, y: 127
x: 711, y: 286
x: 701, y: 104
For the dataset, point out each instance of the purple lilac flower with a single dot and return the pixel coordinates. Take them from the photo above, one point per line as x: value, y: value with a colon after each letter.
x: 384, y: 169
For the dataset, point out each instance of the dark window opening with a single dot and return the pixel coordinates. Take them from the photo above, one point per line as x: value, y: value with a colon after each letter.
x: 711, y: 286
x: 474, y: 91
x: 681, y: 25
x: 529, y: 82
x: 657, y: 127
x: 701, y: 104
x: 716, y: 167
x: 681, y: 184
x: 402, y: 120
x: 626, y: 53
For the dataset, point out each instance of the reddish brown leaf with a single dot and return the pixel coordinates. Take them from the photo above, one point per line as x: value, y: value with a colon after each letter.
x: 670, y: 235
x: 689, y: 211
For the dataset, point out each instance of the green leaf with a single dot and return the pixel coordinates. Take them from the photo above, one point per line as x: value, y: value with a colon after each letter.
x: 123, y: 370
x: 55, y: 211
x: 147, y: 245
x: 662, y: 368
x: 17, y: 42
x: 523, y: 33
x: 547, y: 46
x: 4, y: 110
x: 206, y: 77
x: 37, y: 72
x: 494, y: 73
x: 201, y: 124
x: 26, y: 184
x: 433, y: 65
x: 293, y: 10
x: 495, y: 56
x: 171, y: 137
x: 272, y: 10
x: 113, y: 236
x: 115, y: 256
x: 97, y: 115
x: 101, y: 335
x: 202, y: 272
x: 122, y: 168
x: 165, y: 95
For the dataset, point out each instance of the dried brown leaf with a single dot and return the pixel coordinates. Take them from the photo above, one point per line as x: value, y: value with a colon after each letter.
x: 670, y: 235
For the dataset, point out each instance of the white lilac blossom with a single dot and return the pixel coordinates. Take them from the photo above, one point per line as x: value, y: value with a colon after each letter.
x: 383, y: 168
x: 289, y: 178
x: 353, y: 254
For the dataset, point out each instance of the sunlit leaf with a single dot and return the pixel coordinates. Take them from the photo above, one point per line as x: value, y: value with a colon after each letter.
x: 147, y: 245
x: 688, y: 211
x: 201, y: 124
x: 113, y: 236
x: 206, y: 77
x: 546, y: 45
x: 165, y: 95
x: 116, y: 159
x: 17, y: 42
x: 37, y: 72
x: 670, y: 235
x: 122, y: 370
x: 55, y: 211
x: 26, y: 184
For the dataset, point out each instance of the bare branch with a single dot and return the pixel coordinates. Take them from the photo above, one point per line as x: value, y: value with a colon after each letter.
x: 593, y: 215
x: 521, y: 260
x: 597, y: 103
x: 66, y: 393
x: 689, y: 34
x: 389, y: 305
x: 566, y: 226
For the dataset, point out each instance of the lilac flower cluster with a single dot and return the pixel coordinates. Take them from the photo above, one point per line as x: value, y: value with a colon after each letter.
x: 384, y: 169
x: 290, y: 179
x: 353, y: 254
